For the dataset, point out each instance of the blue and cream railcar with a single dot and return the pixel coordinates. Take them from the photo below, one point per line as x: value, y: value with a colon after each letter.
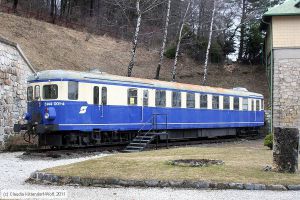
x: 80, y: 108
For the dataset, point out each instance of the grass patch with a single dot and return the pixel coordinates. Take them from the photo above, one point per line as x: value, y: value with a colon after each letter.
x: 243, y: 163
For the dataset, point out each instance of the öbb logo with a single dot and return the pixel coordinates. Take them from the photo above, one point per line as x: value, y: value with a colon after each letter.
x: 83, y: 109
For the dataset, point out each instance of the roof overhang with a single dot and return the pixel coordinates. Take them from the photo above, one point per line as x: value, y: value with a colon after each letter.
x: 288, y: 8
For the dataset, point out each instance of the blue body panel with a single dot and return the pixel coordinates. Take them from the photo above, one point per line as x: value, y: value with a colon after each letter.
x: 79, y: 116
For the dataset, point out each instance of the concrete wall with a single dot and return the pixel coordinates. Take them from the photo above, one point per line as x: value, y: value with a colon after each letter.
x: 286, y: 88
x: 286, y: 31
x: 14, y: 70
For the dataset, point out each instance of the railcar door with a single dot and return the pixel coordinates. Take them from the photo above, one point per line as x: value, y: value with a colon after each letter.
x: 99, y: 101
x: 103, y: 100
x: 96, y: 102
x: 145, y: 101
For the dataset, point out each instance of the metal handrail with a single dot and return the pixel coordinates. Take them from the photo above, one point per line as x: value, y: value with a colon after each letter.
x: 145, y: 134
x: 154, y: 118
x: 145, y: 123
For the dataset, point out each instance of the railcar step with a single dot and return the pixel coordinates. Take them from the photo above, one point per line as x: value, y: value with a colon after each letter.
x: 130, y: 150
x: 134, y: 147
x: 138, y: 140
x: 138, y: 143
x: 145, y: 137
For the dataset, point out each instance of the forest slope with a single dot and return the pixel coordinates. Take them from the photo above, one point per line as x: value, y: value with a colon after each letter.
x: 48, y: 46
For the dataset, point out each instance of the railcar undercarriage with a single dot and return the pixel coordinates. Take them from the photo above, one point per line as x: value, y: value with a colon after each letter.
x: 97, y: 138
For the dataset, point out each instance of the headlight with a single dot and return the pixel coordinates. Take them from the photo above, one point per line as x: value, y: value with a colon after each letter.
x: 26, y: 116
x: 47, y: 116
x: 50, y: 113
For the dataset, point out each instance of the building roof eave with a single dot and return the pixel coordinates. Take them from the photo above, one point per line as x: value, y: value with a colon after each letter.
x: 288, y: 8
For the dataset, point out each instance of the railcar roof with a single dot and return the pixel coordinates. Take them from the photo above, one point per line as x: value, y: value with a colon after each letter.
x: 101, y: 76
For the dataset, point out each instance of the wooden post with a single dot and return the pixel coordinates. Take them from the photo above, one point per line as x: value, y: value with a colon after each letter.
x: 285, y: 149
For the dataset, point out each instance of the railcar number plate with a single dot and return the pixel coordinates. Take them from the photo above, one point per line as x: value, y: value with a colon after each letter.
x: 54, y: 103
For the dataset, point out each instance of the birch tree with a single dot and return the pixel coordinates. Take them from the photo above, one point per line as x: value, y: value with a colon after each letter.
x: 242, y: 30
x: 153, y: 4
x: 135, y: 38
x: 179, y: 41
x: 209, y: 43
x: 162, y: 50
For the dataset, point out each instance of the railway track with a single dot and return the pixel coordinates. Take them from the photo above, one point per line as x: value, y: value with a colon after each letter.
x: 109, y: 148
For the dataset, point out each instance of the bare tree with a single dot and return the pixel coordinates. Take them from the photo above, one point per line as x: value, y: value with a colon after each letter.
x: 209, y: 43
x: 53, y: 11
x: 135, y: 38
x: 164, y: 41
x: 179, y: 41
x: 152, y: 4
x: 242, y: 30
x: 15, y: 4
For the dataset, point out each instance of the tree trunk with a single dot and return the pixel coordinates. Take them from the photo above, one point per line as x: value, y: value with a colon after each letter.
x: 209, y: 43
x: 15, y: 5
x: 179, y: 41
x: 70, y: 8
x: 164, y: 41
x: 193, y: 16
x: 91, y: 8
x: 63, y: 4
x: 201, y: 19
x: 242, y: 31
x: 135, y: 38
x: 53, y: 11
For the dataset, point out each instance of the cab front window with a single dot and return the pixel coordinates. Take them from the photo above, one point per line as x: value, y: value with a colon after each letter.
x: 50, y: 91
x: 30, y: 93
x: 36, y: 92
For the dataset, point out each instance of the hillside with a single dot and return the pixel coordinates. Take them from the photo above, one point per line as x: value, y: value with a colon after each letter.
x: 48, y: 46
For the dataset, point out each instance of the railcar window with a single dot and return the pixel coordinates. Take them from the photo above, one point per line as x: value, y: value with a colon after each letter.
x: 176, y: 99
x: 245, y: 103
x: 104, y: 96
x: 215, y: 102
x: 203, y: 101
x: 72, y: 90
x: 96, y: 95
x: 30, y: 93
x: 252, y: 104
x: 190, y: 100
x: 236, y: 103
x: 50, y: 91
x: 36, y: 92
x: 132, y: 96
x: 257, y: 105
x: 262, y: 106
x: 226, y: 104
x: 160, y: 98
x: 145, y: 98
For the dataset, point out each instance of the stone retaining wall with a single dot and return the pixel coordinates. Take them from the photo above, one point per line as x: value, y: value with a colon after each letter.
x: 47, y: 178
x: 286, y: 90
x: 14, y: 70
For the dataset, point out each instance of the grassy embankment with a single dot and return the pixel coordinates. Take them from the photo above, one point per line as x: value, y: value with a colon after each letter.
x: 243, y: 163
